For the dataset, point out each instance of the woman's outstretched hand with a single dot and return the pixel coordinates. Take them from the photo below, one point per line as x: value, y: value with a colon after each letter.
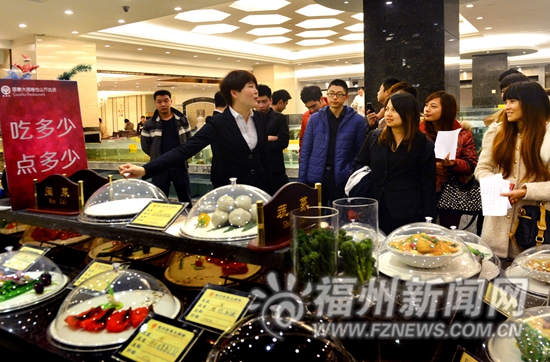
x: 131, y: 171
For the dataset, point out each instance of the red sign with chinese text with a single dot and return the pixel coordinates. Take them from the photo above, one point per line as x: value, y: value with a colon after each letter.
x: 42, y: 134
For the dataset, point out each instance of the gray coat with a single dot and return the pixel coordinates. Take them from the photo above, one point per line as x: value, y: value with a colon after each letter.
x: 496, y: 229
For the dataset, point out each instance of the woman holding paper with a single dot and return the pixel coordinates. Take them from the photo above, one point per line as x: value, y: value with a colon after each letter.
x: 518, y: 147
x: 402, y: 164
x: 440, y: 112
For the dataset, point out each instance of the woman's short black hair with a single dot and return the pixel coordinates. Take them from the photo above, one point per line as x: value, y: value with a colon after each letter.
x: 235, y: 80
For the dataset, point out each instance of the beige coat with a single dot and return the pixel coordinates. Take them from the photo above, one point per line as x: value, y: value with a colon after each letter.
x: 496, y: 229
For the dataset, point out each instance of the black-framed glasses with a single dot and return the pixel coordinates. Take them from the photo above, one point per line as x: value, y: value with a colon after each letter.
x: 337, y: 95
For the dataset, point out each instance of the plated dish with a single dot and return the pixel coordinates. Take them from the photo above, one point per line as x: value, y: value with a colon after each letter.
x: 421, y: 250
x: 120, y: 251
x: 38, y: 236
x: 462, y: 266
x: 537, y: 267
x: 31, y: 296
x: 192, y: 271
x: 68, y: 337
x: 515, y: 272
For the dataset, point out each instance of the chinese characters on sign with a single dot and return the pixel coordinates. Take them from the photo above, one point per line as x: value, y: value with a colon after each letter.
x: 42, y: 134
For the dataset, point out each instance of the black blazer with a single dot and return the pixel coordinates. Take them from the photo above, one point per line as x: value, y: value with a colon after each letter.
x: 277, y: 126
x: 407, y: 184
x: 231, y: 156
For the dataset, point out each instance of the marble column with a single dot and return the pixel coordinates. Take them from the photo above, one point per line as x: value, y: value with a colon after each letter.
x: 485, y: 85
x: 418, y: 43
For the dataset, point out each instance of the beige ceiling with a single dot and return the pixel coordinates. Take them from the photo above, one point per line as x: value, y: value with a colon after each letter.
x: 518, y: 23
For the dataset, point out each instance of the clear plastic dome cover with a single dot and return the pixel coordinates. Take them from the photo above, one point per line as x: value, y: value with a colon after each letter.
x: 104, y: 311
x: 27, y: 278
x: 530, y: 341
x: 427, y: 251
x: 535, y: 263
x: 490, y: 266
x: 227, y: 213
x: 119, y: 201
x: 249, y: 341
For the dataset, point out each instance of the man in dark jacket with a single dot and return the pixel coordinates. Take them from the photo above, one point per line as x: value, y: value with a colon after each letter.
x: 167, y: 129
x: 278, y: 137
x: 333, y: 137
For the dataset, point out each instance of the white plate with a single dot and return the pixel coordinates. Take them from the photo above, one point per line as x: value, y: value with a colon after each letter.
x: 489, y: 270
x: 163, y: 304
x: 59, y: 281
x: 503, y: 349
x: 204, y: 233
x: 485, y: 250
x: 534, y: 287
x: 117, y: 208
x: 460, y: 267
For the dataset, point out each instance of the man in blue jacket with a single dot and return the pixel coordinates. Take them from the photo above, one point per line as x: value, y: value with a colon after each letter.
x: 333, y: 137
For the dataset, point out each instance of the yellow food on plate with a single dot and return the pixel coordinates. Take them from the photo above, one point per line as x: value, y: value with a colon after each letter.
x: 540, y: 265
x: 424, y: 244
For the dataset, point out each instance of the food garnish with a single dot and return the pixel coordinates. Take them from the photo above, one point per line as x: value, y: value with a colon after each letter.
x: 424, y: 244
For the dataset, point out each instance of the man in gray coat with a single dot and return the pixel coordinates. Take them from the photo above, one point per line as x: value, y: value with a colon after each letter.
x: 167, y: 129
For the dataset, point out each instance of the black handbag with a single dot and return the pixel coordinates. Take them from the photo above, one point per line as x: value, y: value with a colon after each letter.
x: 460, y: 198
x: 530, y: 228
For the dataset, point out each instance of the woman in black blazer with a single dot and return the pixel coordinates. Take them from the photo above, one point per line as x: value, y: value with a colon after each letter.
x: 238, y: 138
x: 402, y: 163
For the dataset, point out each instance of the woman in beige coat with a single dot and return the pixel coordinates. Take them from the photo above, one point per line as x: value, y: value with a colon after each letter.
x: 519, y: 149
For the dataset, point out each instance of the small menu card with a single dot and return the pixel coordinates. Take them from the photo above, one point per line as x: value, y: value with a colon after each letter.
x: 217, y: 308
x: 95, y: 267
x: 157, y: 215
x: 158, y: 339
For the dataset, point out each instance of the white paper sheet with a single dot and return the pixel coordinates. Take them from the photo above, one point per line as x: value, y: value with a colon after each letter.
x: 446, y: 143
x: 491, y: 202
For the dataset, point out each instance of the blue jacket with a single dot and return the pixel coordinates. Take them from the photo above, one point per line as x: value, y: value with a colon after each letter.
x: 313, y: 153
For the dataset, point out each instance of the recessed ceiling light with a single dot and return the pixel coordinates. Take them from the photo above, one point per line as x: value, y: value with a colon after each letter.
x: 272, y: 40
x: 264, y: 19
x: 218, y: 58
x: 314, y: 42
x: 121, y: 21
x: 195, y: 56
x: 238, y: 60
x: 250, y: 6
x: 316, y: 33
x: 167, y: 52
x: 356, y: 27
x: 22, y: 25
x: 319, y: 23
x: 202, y: 16
x: 139, y: 49
x: 177, y: 8
x: 479, y: 18
x: 318, y: 10
x: 107, y: 46
x: 358, y: 16
x: 74, y: 32
x: 469, y: 6
x: 214, y: 29
x: 68, y: 12
x: 488, y: 28
x: 451, y: 40
x: 389, y: 2
x: 268, y: 31
x: 352, y: 37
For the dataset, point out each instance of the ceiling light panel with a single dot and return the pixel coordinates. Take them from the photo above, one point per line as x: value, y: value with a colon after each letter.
x: 352, y: 37
x: 202, y: 16
x: 255, y: 5
x: 358, y: 16
x: 355, y: 28
x: 272, y: 40
x: 314, y: 42
x: 318, y: 10
x: 319, y: 23
x: 316, y: 34
x: 268, y: 31
x: 264, y: 19
x: 214, y: 29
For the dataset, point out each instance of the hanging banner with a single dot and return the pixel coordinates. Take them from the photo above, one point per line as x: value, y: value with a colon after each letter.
x: 42, y: 134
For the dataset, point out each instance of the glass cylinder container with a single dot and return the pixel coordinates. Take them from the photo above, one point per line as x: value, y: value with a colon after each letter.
x: 314, y: 243
x: 358, y: 221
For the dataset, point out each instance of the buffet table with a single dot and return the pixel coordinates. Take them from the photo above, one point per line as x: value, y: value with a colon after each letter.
x: 23, y: 332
